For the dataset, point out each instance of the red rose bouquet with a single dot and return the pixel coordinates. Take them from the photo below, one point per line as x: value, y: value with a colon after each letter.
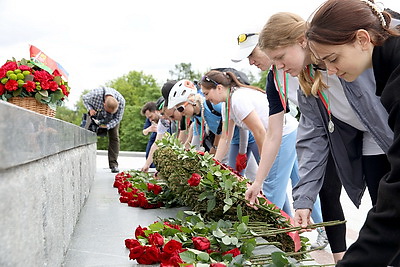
x: 139, y: 189
x: 190, y: 241
x: 26, y: 78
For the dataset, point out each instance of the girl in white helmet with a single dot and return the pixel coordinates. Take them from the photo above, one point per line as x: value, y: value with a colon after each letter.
x: 247, y: 106
x: 185, y: 99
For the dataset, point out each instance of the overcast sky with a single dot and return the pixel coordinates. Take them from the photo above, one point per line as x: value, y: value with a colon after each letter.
x: 99, y: 40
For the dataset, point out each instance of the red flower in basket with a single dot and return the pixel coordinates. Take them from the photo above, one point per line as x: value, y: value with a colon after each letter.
x: 26, y: 78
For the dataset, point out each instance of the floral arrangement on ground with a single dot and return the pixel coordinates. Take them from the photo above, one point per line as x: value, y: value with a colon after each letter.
x: 219, y: 214
x: 27, y: 78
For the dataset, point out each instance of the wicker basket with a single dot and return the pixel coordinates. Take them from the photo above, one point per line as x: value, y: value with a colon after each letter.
x: 32, y: 104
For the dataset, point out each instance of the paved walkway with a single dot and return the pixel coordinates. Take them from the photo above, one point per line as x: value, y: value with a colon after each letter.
x: 105, y: 223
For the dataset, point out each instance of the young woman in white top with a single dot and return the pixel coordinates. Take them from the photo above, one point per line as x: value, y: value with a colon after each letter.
x: 247, y: 107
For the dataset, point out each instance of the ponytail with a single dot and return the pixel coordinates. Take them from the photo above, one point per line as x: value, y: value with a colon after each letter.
x: 237, y: 83
x: 228, y: 79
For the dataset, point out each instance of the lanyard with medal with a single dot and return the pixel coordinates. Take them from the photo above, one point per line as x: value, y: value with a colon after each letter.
x: 325, y: 100
x: 282, y: 89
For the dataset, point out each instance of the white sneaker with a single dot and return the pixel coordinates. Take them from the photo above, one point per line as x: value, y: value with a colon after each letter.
x: 322, y: 239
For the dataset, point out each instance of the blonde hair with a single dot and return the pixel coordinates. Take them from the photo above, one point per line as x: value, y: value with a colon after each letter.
x: 311, y: 84
x: 285, y: 29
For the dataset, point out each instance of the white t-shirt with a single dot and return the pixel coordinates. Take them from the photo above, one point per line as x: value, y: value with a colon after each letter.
x: 245, y: 100
x: 163, y: 126
x: 341, y: 109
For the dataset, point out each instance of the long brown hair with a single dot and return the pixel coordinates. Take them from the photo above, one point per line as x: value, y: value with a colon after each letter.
x: 285, y: 29
x: 336, y: 22
x: 227, y: 79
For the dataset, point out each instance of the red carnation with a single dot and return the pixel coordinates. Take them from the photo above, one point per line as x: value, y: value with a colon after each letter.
x: 3, y: 72
x: 53, y: 86
x: 30, y: 86
x: 140, y: 231
x: 194, y: 179
x: 56, y: 72
x: 234, y: 252
x: 11, y: 65
x: 42, y: 76
x: 64, y: 89
x: 156, y: 239
x: 24, y: 68
x: 11, y: 85
x: 201, y: 243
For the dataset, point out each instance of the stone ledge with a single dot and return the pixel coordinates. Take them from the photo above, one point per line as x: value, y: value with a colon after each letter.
x: 40, y: 205
x: 26, y: 136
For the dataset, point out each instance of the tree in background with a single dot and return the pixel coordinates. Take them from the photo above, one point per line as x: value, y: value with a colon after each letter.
x: 137, y: 89
x: 184, y: 71
x: 262, y: 82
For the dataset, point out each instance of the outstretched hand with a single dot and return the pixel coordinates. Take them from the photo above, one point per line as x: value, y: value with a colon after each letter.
x: 145, y: 168
x: 302, y: 219
x: 251, y: 195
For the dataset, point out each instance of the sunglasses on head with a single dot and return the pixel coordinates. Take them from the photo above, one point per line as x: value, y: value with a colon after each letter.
x: 207, y: 79
x: 181, y: 108
x: 243, y: 37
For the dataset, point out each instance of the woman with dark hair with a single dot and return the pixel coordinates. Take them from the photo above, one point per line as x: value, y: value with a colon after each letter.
x: 247, y: 106
x: 350, y: 46
x: 339, y: 141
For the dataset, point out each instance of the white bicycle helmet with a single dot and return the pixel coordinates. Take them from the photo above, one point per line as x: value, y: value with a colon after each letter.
x: 180, y: 92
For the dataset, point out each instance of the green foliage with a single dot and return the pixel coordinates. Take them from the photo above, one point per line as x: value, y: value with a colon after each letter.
x: 66, y: 114
x: 262, y: 82
x: 137, y: 89
x: 220, y: 191
x: 184, y: 71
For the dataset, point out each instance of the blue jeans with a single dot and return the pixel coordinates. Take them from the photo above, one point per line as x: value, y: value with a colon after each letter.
x: 286, y: 166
